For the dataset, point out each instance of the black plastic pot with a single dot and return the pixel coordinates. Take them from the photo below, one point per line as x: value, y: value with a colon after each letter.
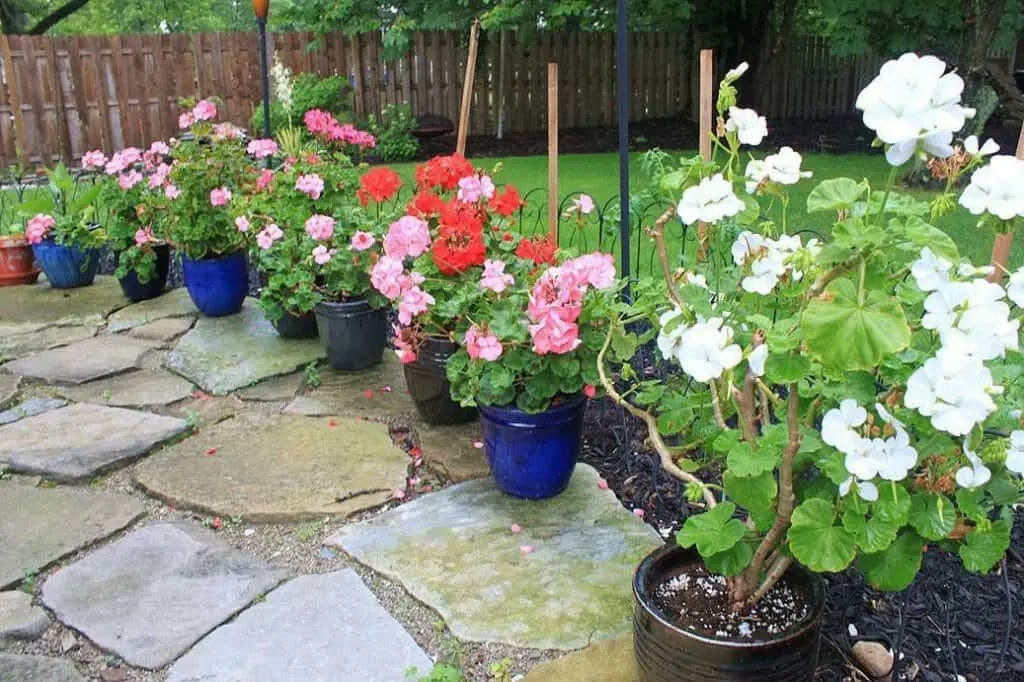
x: 136, y: 291
x: 353, y: 333
x: 296, y: 326
x: 667, y: 653
x: 429, y: 387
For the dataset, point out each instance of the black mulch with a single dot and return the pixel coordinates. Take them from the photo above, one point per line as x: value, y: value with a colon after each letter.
x: 948, y: 622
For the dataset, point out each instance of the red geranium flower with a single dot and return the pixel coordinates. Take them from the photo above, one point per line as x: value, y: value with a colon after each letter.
x: 379, y: 184
x: 443, y: 171
x: 425, y: 204
x: 506, y: 203
x: 540, y: 250
x: 457, y: 248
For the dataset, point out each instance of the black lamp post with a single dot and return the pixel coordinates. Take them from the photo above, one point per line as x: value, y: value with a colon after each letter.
x: 622, y: 92
x: 262, y: 9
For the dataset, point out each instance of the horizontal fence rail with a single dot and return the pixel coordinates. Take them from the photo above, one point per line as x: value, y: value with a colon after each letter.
x: 64, y: 95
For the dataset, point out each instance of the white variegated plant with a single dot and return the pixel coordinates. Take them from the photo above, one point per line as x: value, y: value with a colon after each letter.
x: 850, y: 400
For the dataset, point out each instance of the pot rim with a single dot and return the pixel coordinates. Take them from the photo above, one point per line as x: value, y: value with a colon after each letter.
x: 13, y: 241
x: 223, y: 256
x: 571, y: 403
x: 640, y: 597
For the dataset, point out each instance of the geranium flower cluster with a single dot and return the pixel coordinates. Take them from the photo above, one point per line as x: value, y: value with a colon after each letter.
x: 705, y: 349
x: 890, y: 458
x: 769, y: 260
x: 325, y: 126
x: 557, y: 300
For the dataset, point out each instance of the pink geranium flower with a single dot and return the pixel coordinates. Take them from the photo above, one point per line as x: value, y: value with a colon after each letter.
x: 263, y: 182
x: 414, y: 302
x: 322, y: 255
x: 227, y: 131
x: 385, y: 276
x: 472, y: 188
x: 554, y: 335
x: 38, y: 226
x: 220, y: 196
x: 262, y: 148
x: 583, y: 204
x: 482, y: 344
x: 159, y: 176
x: 361, y: 241
x: 172, y: 192
x: 123, y: 160
x: 594, y: 269
x: 205, y: 110
x: 159, y: 147
x: 94, y: 160
x: 311, y: 184
x: 242, y: 223
x: 494, y: 277
x: 144, y: 235
x: 268, y: 235
x: 320, y: 227
x: 408, y: 237
x: 186, y: 120
x: 128, y: 180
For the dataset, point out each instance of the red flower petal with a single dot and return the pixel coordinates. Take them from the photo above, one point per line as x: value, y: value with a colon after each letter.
x: 368, y: 393
x: 211, y: 451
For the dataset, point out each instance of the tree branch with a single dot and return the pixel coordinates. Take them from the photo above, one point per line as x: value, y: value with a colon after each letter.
x: 659, y: 445
x: 58, y: 15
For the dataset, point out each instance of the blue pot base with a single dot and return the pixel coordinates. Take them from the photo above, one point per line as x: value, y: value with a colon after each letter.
x: 217, y: 286
x: 66, y: 267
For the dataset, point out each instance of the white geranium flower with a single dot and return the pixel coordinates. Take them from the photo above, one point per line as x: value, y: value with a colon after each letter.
x: 1015, y: 287
x: 838, y: 424
x: 767, y: 259
x: 756, y: 360
x: 912, y: 106
x: 862, y: 461
x: 733, y: 74
x: 867, y: 490
x: 765, y: 273
x: 670, y: 343
x: 930, y: 271
x: 707, y: 350
x: 749, y: 127
x: 755, y: 174
x: 697, y: 280
x: 941, y: 306
x: 997, y: 188
x: 953, y: 390
x: 969, y: 270
x: 1015, y: 453
x: 886, y: 417
x: 896, y: 457
x: 971, y: 146
x: 784, y: 167
x: 709, y: 202
x: 975, y: 475
x: 986, y: 322
x: 748, y: 245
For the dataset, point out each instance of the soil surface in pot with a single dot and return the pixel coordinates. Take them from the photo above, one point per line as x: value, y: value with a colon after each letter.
x: 698, y: 601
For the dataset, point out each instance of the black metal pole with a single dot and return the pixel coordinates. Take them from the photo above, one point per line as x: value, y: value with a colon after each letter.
x: 261, y: 23
x: 622, y: 95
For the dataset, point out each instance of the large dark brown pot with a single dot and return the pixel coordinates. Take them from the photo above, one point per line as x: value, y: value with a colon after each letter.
x: 429, y: 387
x: 667, y: 653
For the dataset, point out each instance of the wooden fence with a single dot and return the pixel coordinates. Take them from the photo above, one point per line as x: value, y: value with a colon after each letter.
x: 64, y: 95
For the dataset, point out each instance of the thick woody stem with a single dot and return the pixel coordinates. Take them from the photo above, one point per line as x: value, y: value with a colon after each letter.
x: 716, y: 406
x: 778, y: 569
x: 663, y: 450
x: 658, y: 235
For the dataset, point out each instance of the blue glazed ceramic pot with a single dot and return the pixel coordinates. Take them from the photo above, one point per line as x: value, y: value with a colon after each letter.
x: 217, y: 285
x: 533, y: 455
x: 66, y: 267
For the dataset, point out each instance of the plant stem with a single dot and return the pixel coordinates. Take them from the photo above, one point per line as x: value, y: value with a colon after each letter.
x: 663, y: 450
x: 888, y: 189
x: 658, y: 235
x: 746, y: 409
x: 860, y: 287
x: 777, y: 569
x: 716, y: 406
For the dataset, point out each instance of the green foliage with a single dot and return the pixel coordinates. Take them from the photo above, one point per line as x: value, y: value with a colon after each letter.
x: 72, y: 204
x: 441, y: 672
x: 395, y: 141
x: 308, y: 91
x: 815, y: 539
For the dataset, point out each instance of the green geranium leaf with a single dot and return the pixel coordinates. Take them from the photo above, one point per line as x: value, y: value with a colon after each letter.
x: 895, y: 568
x: 983, y: 549
x: 744, y: 460
x: 713, y: 531
x: 752, y: 492
x: 893, y: 503
x: 933, y: 516
x: 816, y: 541
x: 623, y: 345
x: 969, y: 502
x: 873, y: 534
x: 786, y: 369
x: 836, y: 194
x: 730, y: 562
x: 921, y: 234
x: 868, y: 330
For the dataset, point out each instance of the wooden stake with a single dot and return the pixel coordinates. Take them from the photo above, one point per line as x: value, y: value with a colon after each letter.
x: 502, y: 56
x: 467, y: 89
x: 706, y: 113
x: 553, y: 152
x: 1003, y: 243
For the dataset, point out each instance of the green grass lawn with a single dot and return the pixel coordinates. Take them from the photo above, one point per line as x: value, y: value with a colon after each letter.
x: 598, y: 175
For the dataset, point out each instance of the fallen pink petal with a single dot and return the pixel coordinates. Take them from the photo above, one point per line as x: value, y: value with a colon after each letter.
x: 602, y: 484
x: 638, y: 513
x: 526, y: 549
x: 515, y: 528
x: 478, y: 444
x: 398, y: 494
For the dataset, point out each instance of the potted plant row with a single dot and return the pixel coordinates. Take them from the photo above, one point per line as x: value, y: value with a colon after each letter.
x: 849, y: 403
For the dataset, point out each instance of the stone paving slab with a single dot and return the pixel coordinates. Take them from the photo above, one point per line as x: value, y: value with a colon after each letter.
x: 155, y: 592
x: 30, y: 408
x: 450, y: 451
x: 18, y: 668
x: 222, y: 354
x: 19, y: 619
x: 83, y: 361
x: 164, y: 330
x: 143, y: 388
x: 9, y: 384
x: 278, y: 468
x: 41, y: 303
x: 316, y: 628
x: 82, y: 440
x: 378, y: 392
x: 571, y: 589
x: 275, y: 389
x: 304, y: 406
x: 172, y: 304
x: 609, y: 661
x: 39, y: 526
x: 19, y: 345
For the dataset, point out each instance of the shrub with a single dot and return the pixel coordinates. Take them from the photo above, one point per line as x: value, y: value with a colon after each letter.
x: 395, y: 141
x: 307, y: 91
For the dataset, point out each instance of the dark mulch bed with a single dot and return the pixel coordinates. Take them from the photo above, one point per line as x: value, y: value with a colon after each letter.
x: 948, y: 622
x: 836, y: 135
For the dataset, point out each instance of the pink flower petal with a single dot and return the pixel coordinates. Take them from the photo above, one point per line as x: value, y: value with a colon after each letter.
x: 478, y: 444
x: 515, y: 528
x: 525, y: 549
x: 398, y: 494
x: 638, y: 513
x: 602, y: 484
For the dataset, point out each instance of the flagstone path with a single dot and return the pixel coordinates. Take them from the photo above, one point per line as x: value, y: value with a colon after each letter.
x: 177, y: 504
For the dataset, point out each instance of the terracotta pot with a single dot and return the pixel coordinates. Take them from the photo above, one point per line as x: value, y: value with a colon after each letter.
x: 17, y: 263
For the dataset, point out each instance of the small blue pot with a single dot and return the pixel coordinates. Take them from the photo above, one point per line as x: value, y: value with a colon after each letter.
x: 533, y: 455
x: 217, y: 285
x: 66, y: 267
